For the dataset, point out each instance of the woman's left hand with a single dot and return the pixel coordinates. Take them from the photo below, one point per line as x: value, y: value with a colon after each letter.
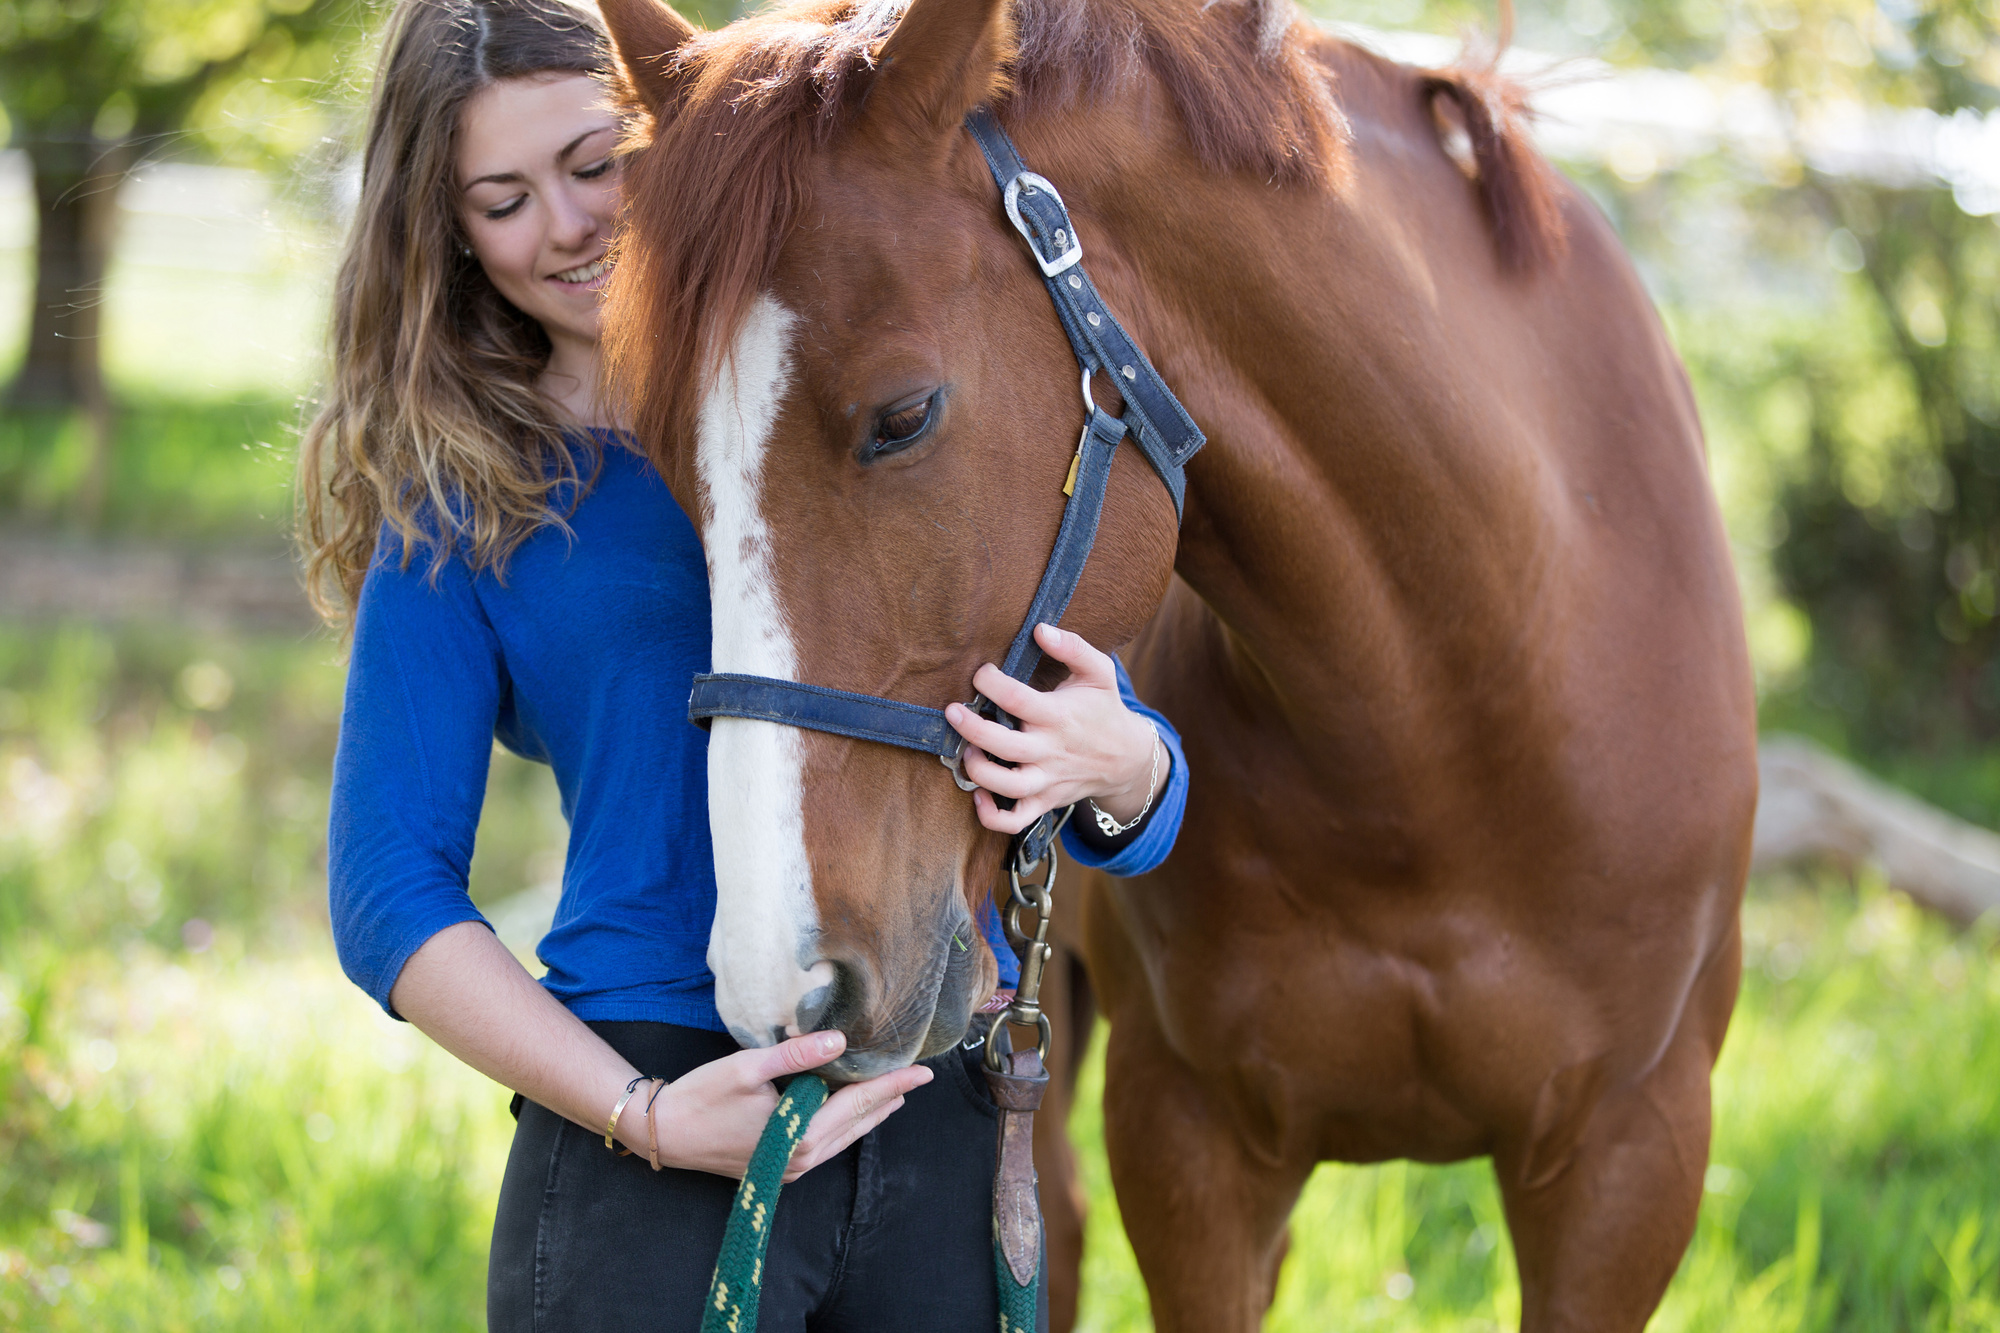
x: 1078, y: 741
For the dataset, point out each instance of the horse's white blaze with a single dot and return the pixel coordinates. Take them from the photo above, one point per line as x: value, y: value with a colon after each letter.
x: 766, y: 923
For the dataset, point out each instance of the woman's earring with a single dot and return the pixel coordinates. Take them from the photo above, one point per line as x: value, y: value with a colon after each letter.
x: 465, y: 250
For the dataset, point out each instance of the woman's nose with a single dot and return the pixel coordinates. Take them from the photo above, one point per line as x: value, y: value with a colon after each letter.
x: 572, y: 226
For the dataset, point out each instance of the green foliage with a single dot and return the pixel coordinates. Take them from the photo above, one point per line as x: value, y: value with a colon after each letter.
x: 1843, y: 338
x: 146, y: 781
x: 179, y: 469
x: 151, y: 778
x: 1894, y: 514
x: 245, y: 71
x: 202, y: 1124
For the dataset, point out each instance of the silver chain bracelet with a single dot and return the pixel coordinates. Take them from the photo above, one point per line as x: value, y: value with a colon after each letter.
x: 1110, y: 827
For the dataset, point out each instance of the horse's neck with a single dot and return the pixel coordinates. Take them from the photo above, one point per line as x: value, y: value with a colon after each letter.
x: 1364, y: 511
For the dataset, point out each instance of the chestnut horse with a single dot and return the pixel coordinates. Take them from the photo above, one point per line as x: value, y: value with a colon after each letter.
x: 1449, y: 627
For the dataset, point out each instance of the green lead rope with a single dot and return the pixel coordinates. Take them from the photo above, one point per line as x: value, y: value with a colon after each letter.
x: 1017, y: 1303
x: 738, y: 1284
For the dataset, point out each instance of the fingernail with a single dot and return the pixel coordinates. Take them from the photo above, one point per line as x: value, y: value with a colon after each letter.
x: 829, y: 1043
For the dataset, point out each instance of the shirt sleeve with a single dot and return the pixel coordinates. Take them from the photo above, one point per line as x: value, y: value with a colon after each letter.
x: 409, y: 773
x: 1163, y: 823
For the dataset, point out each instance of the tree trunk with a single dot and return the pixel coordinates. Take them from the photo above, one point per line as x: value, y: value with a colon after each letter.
x: 1818, y: 807
x: 76, y: 201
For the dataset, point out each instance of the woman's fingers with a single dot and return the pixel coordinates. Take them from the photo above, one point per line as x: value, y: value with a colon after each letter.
x: 795, y: 1056
x: 1005, y: 821
x: 833, y: 1147
x: 1024, y: 701
x: 1013, y: 782
x: 1085, y: 662
x: 852, y: 1112
x: 1015, y: 747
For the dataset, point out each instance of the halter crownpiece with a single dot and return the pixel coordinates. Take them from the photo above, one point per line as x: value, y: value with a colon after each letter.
x: 1154, y: 420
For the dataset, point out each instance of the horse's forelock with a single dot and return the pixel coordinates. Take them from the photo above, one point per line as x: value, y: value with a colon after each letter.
x: 712, y: 191
x: 719, y: 178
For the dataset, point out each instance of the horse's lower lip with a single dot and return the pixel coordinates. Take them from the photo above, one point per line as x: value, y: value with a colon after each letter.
x: 858, y: 1067
x: 855, y: 1066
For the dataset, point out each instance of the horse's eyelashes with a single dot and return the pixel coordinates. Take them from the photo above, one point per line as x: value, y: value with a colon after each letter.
x: 903, y: 427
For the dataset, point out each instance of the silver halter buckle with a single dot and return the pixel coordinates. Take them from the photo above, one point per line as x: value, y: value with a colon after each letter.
x: 1072, y: 253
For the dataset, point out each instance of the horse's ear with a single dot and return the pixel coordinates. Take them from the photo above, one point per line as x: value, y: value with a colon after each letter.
x: 647, y: 33
x: 943, y: 59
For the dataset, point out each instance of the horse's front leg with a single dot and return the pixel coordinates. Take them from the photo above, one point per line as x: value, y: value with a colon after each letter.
x: 1600, y: 1228
x: 1206, y: 1216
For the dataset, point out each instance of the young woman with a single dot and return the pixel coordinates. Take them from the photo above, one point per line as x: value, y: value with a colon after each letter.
x: 512, y: 569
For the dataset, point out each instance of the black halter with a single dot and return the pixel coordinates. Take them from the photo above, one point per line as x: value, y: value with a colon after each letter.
x: 1154, y: 419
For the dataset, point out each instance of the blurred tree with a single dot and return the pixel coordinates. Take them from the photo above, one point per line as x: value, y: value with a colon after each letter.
x: 90, y: 85
x: 1893, y: 552
x: 1892, y: 510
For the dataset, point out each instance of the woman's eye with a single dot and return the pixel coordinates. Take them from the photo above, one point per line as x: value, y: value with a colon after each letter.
x: 903, y: 427
x: 508, y: 209
x: 591, y: 173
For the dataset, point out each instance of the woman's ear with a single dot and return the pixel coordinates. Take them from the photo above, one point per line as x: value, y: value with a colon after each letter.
x: 647, y: 34
x: 943, y: 59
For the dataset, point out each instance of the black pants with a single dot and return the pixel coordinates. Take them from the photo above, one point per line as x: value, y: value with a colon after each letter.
x: 895, y: 1235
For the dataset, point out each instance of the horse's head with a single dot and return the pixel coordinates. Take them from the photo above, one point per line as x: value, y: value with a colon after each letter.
x: 848, y: 370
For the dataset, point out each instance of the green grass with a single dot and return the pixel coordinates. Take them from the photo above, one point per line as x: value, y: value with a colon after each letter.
x: 207, y: 1127
x: 232, y: 1143
x: 181, y: 469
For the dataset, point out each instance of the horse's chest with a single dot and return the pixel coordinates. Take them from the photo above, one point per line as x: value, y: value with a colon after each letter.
x: 1352, y: 1028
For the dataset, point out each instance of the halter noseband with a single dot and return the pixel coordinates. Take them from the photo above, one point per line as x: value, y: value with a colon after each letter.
x: 1154, y: 419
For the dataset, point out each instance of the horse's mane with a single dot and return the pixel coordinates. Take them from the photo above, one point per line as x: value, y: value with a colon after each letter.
x: 725, y: 184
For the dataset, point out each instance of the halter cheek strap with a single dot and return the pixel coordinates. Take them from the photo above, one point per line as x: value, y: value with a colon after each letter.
x: 1161, y: 427
x: 1154, y: 420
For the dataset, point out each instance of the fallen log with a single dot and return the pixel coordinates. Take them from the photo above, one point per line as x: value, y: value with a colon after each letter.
x: 1815, y: 806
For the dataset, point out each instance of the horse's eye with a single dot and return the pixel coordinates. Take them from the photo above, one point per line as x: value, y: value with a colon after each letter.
x: 903, y: 427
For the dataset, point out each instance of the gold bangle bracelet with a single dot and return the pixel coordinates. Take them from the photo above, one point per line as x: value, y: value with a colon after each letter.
x: 611, y: 1125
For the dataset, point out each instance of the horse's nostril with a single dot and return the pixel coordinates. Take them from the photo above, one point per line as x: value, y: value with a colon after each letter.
x: 838, y: 1004
x: 813, y: 1004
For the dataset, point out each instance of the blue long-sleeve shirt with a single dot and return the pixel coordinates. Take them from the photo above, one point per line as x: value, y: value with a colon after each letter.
x: 580, y: 659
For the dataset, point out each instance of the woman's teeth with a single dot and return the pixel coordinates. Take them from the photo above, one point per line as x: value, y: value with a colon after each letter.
x: 585, y: 273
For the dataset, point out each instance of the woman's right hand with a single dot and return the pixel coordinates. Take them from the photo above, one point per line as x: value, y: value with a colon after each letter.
x: 711, y: 1117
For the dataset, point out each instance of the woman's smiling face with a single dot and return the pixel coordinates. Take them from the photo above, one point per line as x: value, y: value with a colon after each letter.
x: 538, y: 194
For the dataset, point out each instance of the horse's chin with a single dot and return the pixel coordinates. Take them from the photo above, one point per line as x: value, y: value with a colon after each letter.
x: 958, y: 994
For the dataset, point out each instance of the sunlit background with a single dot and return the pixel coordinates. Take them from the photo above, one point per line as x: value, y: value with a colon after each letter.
x: 202, y: 1125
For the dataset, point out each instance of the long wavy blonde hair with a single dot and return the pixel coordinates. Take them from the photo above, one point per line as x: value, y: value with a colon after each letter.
x: 432, y: 423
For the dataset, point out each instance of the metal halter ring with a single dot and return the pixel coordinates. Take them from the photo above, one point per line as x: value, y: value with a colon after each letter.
x: 1000, y: 1042
x: 955, y: 761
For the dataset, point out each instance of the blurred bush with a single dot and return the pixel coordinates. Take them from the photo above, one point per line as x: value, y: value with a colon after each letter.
x: 180, y: 469
x: 158, y: 786
x: 147, y: 781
